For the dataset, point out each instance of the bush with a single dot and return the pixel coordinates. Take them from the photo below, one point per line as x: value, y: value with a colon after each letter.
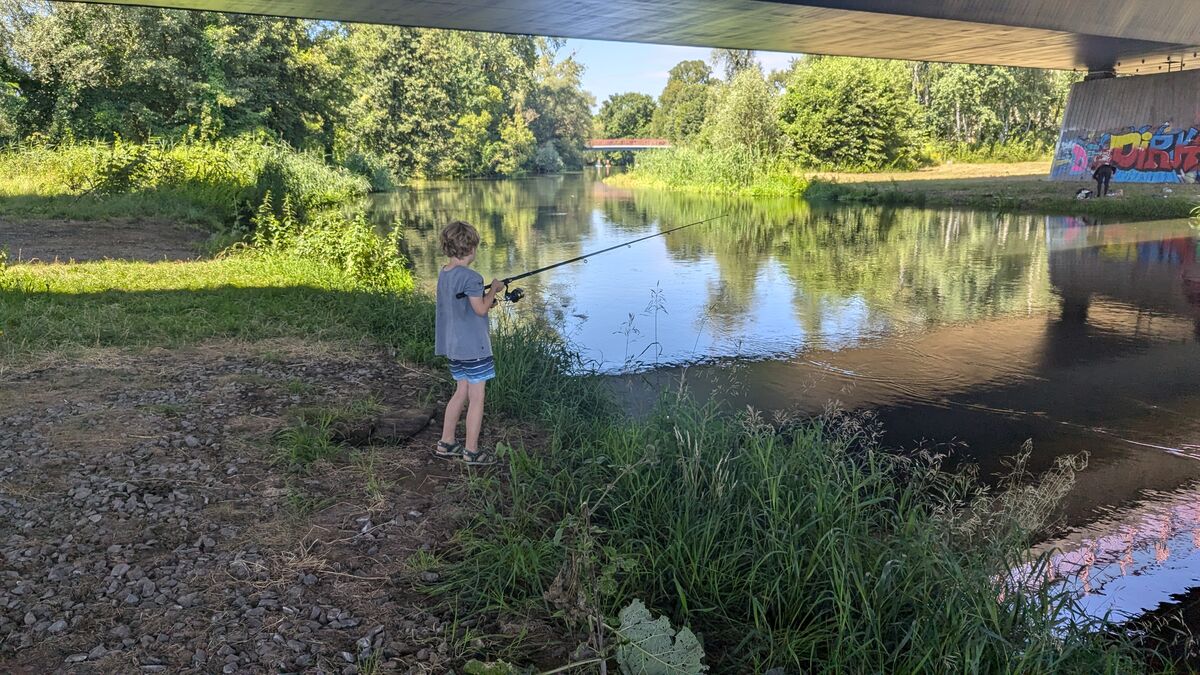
x: 374, y: 167
x: 218, y: 183
x: 734, y: 168
x: 852, y: 115
x: 807, y: 547
x: 547, y: 159
x: 368, y: 259
x: 1028, y: 150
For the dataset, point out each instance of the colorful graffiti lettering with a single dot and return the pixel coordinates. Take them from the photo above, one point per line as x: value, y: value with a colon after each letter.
x: 1141, y: 155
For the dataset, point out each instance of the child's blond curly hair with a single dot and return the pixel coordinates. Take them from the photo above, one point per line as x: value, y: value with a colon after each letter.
x: 459, y: 238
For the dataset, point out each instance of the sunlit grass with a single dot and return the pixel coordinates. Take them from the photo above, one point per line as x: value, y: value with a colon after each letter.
x: 111, y: 303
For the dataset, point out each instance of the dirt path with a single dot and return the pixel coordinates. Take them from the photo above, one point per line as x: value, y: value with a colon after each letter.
x: 952, y: 171
x: 50, y: 240
x: 145, y: 528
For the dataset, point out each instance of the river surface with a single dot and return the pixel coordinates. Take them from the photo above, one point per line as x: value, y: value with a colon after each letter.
x: 964, y: 330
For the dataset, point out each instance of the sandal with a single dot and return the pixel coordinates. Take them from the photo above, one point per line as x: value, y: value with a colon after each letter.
x: 481, y: 458
x: 448, y: 450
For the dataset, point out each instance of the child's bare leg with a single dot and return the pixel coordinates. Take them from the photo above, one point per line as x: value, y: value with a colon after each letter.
x: 454, y: 411
x: 474, y: 415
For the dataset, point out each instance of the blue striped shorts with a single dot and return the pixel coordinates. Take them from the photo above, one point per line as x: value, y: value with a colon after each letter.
x: 473, y: 371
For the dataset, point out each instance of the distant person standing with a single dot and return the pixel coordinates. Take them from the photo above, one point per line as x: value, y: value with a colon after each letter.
x: 1103, y: 174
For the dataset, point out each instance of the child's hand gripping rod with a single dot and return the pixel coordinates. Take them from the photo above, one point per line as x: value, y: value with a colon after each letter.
x: 516, y: 294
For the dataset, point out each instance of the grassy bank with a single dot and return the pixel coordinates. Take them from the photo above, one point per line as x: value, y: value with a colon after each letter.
x: 1023, y: 194
x: 1020, y: 186
x: 805, y: 546
x: 215, y: 184
x: 694, y: 169
x: 325, y: 276
x: 800, y: 544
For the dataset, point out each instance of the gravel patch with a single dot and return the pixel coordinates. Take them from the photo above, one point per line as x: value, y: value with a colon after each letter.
x: 144, y: 526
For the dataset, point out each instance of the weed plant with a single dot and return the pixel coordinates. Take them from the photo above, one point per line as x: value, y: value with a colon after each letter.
x: 802, y: 545
x: 733, y: 170
x: 1020, y: 150
x: 216, y: 184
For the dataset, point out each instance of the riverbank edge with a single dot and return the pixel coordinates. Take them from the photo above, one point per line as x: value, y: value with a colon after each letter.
x: 978, y: 194
x: 588, y: 453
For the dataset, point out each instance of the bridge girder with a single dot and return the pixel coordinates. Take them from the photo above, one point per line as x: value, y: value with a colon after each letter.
x: 1127, y: 37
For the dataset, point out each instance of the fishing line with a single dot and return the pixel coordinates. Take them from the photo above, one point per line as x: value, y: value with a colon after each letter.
x: 517, y: 293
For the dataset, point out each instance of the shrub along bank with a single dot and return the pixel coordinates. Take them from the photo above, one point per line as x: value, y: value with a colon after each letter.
x: 741, y: 172
x: 802, y: 545
x: 216, y: 184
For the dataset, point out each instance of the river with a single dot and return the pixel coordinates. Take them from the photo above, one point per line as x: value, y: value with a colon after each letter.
x: 959, y: 330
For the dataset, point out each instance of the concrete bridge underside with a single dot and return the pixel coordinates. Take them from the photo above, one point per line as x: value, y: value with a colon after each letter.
x: 1125, y: 36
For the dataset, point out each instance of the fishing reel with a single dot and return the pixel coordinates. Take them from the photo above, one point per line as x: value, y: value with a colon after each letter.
x: 510, y: 294
x: 513, y: 295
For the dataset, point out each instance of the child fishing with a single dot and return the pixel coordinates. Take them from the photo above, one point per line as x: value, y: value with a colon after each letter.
x: 461, y: 335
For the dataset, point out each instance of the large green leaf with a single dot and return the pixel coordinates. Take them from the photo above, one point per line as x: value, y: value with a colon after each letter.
x: 650, y: 646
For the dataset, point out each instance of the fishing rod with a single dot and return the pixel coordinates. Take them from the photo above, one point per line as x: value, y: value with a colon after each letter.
x: 517, y: 293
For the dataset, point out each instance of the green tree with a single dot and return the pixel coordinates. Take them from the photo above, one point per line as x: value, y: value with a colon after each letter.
x: 94, y: 71
x: 561, y: 109
x: 856, y: 114
x: 514, y: 152
x: 744, y: 117
x: 683, y: 104
x: 627, y: 115
x: 992, y: 105
x: 434, y: 102
x: 733, y: 61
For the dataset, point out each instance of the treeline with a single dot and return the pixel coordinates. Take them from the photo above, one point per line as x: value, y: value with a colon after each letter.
x: 387, y: 102
x: 837, y: 113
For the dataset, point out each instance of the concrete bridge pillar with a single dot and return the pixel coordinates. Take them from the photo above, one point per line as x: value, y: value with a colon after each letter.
x: 1149, y: 125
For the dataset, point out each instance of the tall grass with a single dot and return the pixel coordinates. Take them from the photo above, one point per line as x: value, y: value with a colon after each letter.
x: 732, y: 170
x: 802, y: 545
x: 212, y: 183
x: 986, y: 153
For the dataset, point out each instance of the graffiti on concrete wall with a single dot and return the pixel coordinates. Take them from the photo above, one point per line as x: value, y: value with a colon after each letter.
x: 1142, y: 155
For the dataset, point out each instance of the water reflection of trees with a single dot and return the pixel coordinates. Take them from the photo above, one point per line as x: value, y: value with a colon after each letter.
x: 515, y: 218
x: 914, y: 266
x: 925, y: 266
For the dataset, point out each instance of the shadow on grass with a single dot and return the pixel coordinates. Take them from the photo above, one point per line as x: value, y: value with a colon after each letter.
x: 33, y: 320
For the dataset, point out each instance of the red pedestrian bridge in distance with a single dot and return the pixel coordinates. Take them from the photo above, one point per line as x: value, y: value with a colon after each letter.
x: 626, y: 143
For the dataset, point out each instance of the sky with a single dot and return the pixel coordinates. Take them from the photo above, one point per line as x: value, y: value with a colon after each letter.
x: 616, y: 67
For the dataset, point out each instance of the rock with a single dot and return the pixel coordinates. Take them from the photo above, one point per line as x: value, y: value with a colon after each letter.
x: 399, y: 426
x: 430, y: 577
x: 191, y: 441
x: 121, y: 631
x: 239, y: 569
x: 57, y: 627
x: 76, y: 658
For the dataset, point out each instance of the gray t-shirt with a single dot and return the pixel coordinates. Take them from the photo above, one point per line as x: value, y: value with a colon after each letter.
x: 459, y: 333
